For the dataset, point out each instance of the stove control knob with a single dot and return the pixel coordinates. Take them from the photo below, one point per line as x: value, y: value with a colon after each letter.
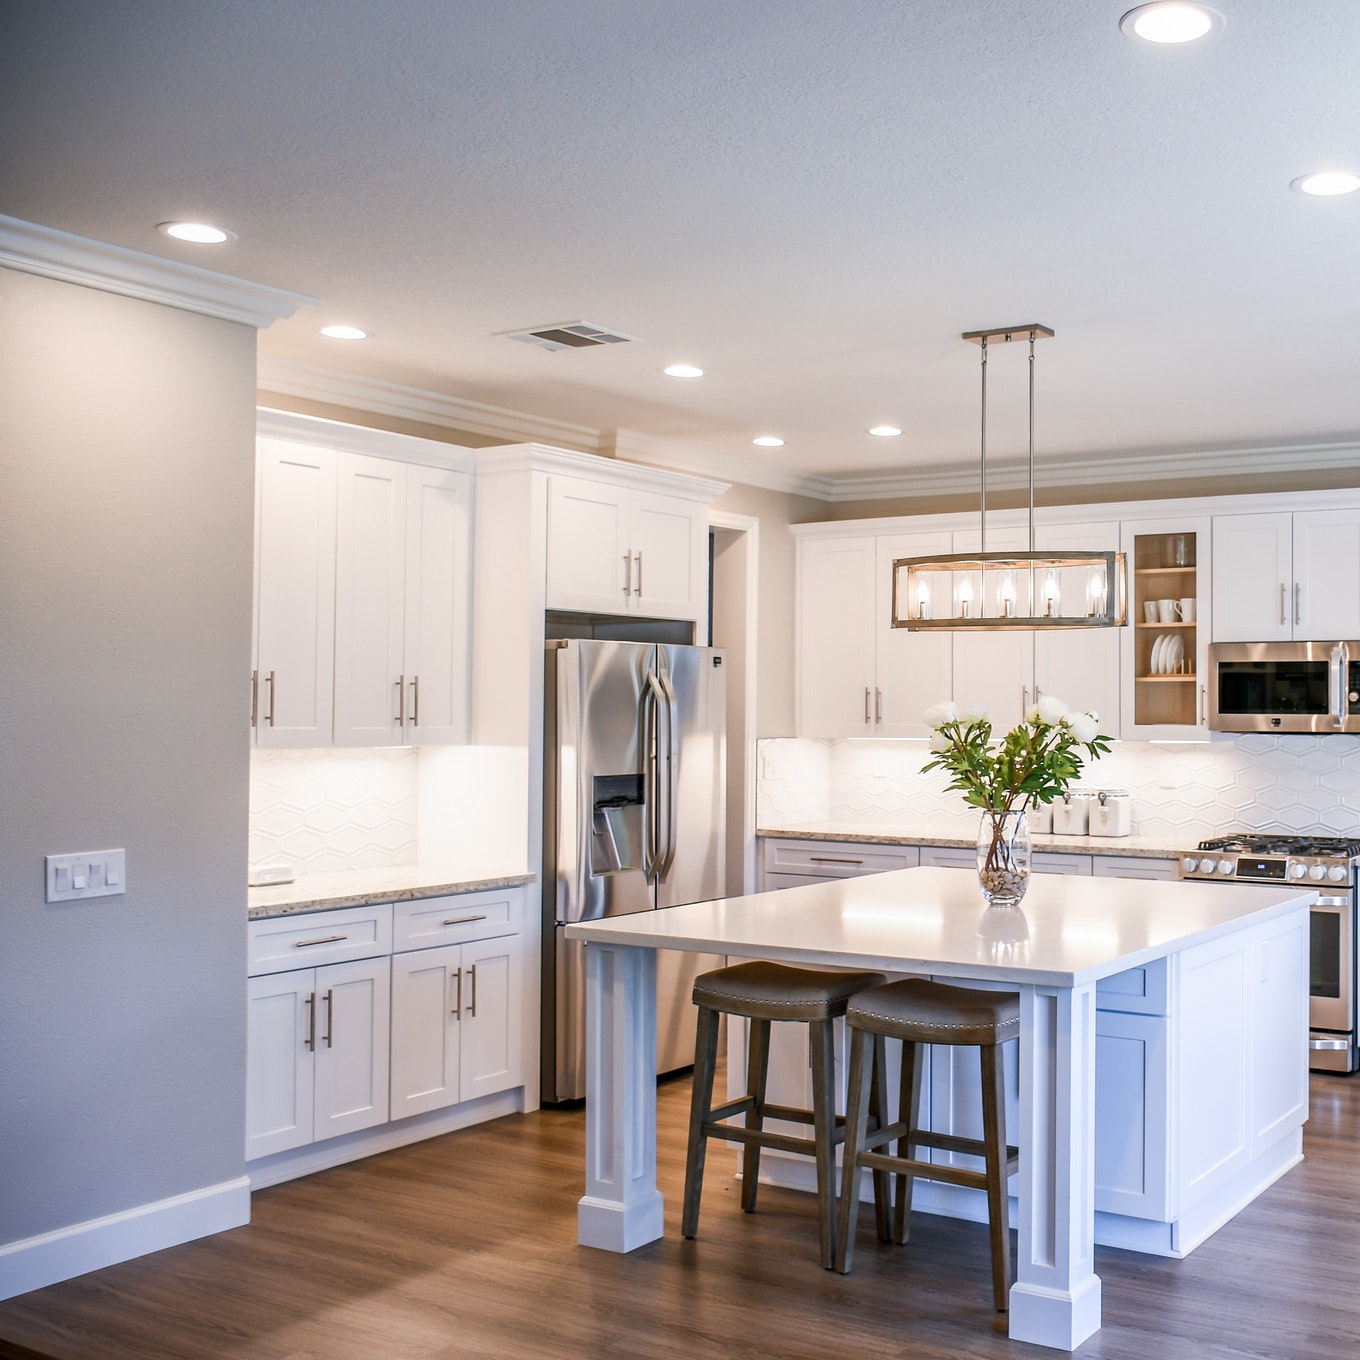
x: 1317, y: 871
x: 1226, y: 866
x: 1298, y: 871
x: 1189, y: 864
x: 1338, y: 873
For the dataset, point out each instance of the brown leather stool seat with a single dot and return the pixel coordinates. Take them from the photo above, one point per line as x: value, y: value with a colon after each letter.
x: 762, y: 992
x: 921, y: 1012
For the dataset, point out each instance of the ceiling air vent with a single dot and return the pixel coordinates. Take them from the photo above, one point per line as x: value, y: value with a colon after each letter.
x: 570, y: 335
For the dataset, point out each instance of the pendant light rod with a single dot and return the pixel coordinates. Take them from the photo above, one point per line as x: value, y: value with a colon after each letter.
x: 984, y: 445
x: 1031, y: 440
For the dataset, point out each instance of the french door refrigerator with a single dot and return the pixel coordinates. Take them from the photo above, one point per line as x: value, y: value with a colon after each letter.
x: 634, y: 778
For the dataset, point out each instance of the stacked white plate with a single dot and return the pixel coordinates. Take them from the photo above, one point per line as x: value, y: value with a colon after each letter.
x: 1168, y: 651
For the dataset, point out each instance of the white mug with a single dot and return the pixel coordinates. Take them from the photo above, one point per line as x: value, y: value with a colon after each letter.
x: 1167, y: 610
x: 1186, y: 608
x: 1150, y: 611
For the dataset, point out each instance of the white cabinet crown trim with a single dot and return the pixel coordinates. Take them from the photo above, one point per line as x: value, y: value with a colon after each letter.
x: 335, y: 434
x: 516, y: 458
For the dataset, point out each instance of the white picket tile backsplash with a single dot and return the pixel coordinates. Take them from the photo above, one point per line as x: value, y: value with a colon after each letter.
x: 1183, y: 791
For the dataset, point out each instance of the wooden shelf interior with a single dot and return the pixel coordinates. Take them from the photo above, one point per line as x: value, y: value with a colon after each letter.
x: 1164, y: 567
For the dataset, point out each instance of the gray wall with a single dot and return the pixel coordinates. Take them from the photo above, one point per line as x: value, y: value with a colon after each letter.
x: 126, y: 486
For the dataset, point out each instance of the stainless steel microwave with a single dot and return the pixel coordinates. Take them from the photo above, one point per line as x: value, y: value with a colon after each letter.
x: 1284, y: 687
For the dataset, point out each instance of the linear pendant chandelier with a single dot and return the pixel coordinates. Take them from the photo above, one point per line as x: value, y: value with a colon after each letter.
x: 1009, y: 590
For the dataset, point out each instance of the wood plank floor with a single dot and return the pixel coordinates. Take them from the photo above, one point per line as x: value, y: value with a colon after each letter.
x: 464, y: 1246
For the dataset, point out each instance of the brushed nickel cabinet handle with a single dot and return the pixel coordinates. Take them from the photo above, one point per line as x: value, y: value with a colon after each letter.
x: 832, y: 859
x: 325, y: 939
x: 1298, y: 602
x: 472, y: 1005
x: 628, y: 573
x: 639, y: 584
x: 254, y: 697
x: 867, y: 718
x: 415, y: 701
x: 458, y: 994
x: 269, y: 717
x: 329, y: 1035
x: 1284, y: 618
x: 310, y: 1041
x: 401, y: 701
x: 464, y: 920
x: 878, y: 705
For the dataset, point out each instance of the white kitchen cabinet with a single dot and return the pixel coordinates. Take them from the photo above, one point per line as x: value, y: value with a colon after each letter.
x: 317, y: 1056
x: 1133, y: 866
x: 1166, y: 558
x: 789, y: 863
x: 402, y: 604
x: 912, y: 671
x: 613, y: 549
x: 295, y: 614
x: 995, y: 670
x: 1281, y: 576
x: 456, y: 1020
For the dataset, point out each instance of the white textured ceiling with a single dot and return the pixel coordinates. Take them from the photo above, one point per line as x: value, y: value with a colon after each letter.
x: 811, y: 200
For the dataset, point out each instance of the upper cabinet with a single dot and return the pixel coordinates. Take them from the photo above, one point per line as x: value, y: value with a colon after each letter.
x: 615, y: 549
x: 363, y: 591
x: 1281, y: 576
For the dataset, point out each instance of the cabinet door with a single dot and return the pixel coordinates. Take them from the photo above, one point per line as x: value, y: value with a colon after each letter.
x: 589, y: 556
x: 492, y: 1018
x: 296, y: 613
x: 370, y: 576
x: 438, y: 613
x: 995, y: 671
x: 1326, y: 604
x: 1132, y: 1115
x: 280, y: 1061
x: 835, y: 643
x: 668, y: 538
x: 1253, y: 578
x: 1128, y: 866
x: 427, y: 1004
x: 353, y: 1003
x: 1079, y: 665
x: 913, y: 671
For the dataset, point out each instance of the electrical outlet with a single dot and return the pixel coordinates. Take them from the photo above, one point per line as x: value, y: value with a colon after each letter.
x: 91, y: 873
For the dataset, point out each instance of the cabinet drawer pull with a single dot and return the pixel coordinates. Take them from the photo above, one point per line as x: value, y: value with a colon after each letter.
x: 832, y: 859
x: 310, y: 1041
x: 325, y: 939
x: 472, y: 1005
x: 464, y: 920
x: 458, y: 994
x: 329, y: 1035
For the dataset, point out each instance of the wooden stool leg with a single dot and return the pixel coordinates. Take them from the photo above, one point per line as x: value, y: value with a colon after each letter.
x: 822, y: 1035
x: 994, y: 1139
x: 700, y: 1103
x: 856, y: 1120
x: 878, y: 1118
x: 909, y: 1105
x: 757, y: 1073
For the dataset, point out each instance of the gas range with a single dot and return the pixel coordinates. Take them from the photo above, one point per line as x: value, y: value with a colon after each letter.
x: 1271, y: 858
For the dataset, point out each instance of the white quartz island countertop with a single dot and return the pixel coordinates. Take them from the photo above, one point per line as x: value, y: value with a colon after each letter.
x: 363, y: 887
x: 1236, y: 956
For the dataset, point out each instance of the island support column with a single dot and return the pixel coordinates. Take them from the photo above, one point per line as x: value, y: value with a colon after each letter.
x: 1055, y: 1300
x: 622, y: 1208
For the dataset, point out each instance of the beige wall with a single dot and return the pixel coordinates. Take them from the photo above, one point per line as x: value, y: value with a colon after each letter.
x: 126, y: 494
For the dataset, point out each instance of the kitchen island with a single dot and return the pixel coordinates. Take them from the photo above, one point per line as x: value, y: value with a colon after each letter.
x: 1234, y: 959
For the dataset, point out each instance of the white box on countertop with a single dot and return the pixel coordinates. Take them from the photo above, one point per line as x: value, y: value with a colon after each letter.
x: 1070, y: 813
x: 1040, y: 819
x: 1111, y: 813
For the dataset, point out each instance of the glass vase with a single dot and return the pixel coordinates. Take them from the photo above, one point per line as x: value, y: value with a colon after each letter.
x: 1003, y: 853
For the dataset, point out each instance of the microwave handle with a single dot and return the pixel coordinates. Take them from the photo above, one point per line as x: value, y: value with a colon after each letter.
x: 1339, y: 671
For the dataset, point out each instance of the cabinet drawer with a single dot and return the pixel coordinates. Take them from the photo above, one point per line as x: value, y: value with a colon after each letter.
x: 281, y: 943
x: 836, y: 859
x: 436, y: 921
x: 1138, y: 991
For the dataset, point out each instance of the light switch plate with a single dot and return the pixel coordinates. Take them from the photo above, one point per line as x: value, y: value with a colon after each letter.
x: 90, y: 873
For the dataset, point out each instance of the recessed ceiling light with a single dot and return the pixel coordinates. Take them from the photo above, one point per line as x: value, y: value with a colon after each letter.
x: 198, y: 232
x: 1327, y: 183
x: 344, y: 332
x: 884, y: 431
x: 769, y: 441
x: 683, y: 371
x: 1171, y: 21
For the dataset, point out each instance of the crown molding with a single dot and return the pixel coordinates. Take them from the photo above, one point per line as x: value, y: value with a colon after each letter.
x: 289, y: 378
x: 506, y: 459
x: 34, y: 249
x: 727, y: 467
x: 335, y: 434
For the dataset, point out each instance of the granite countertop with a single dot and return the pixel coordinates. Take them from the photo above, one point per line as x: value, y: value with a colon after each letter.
x: 895, y: 833
x: 363, y: 887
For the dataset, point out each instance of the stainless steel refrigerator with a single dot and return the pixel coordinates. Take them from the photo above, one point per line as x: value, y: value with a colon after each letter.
x: 635, y: 764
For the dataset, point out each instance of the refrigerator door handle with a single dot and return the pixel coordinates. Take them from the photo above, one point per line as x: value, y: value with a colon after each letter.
x: 672, y: 778
x: 652, y: 700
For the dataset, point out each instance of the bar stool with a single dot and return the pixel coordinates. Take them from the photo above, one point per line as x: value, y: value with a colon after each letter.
x: 921, y: 1012
x: 761, y: 992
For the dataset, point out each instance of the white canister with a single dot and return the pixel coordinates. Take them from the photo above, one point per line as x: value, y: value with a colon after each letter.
x: 1039, y: 818
x: 1070, y: 813
x: 1111, y: 813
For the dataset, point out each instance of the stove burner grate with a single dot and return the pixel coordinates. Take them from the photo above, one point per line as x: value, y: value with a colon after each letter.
x: 1336, y: 847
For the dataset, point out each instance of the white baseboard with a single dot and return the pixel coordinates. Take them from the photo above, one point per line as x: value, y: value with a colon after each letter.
x: 349, y: 1147
x: 35, y: 1262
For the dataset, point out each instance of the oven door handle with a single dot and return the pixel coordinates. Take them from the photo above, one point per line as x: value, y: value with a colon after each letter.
x: 1338, y: 668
